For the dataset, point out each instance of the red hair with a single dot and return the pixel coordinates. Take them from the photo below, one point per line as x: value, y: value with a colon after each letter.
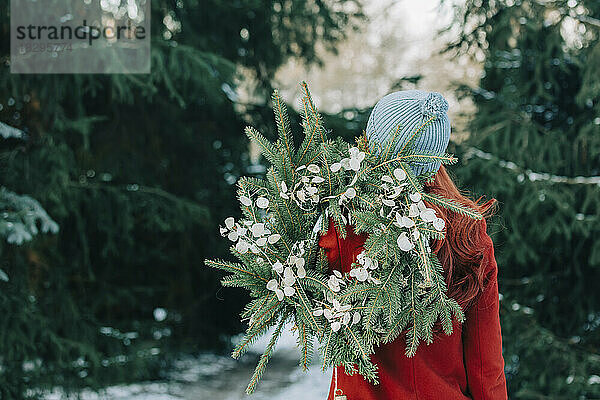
x: 465, y: 242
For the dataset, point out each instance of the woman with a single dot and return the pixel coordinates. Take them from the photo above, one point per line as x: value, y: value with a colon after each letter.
x: 467, y: 364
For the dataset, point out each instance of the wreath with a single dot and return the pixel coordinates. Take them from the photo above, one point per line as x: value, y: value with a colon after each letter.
x: 396, y: 283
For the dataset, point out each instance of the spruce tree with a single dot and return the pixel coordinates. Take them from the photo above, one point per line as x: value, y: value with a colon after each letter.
x: 135, y: 170
x: 535, y: 145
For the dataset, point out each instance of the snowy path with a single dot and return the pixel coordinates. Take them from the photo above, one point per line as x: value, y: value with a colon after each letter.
x: 216, y: 377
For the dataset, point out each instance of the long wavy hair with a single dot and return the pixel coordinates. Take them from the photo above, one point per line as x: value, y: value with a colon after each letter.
x: 462, y: 249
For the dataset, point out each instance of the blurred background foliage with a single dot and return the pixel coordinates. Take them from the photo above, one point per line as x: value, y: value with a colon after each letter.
x: 535, y: 145
x: 137, y: 171
x: 113, y: 186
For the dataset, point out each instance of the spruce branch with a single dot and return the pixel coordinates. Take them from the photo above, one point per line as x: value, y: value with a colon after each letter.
x: 452, y: 205
x: 266, y: 147
x: 395, y: 285
x: 266, y: 356
x: 285, y: 138
x: 232, y: 267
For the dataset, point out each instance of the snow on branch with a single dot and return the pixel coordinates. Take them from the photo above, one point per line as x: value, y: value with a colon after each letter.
x: 532, y: 175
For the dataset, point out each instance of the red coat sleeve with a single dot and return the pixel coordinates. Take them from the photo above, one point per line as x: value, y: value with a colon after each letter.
x: 482, y: 339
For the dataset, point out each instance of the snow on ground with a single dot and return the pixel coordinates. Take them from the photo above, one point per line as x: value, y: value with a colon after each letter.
x: 220, y: 377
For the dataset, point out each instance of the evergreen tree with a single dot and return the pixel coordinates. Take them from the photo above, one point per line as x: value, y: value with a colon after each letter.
x: 136, y: 170
x: 535, y: 145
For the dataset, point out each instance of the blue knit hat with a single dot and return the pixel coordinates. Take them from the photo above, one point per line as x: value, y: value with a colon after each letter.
x: 411, y: 108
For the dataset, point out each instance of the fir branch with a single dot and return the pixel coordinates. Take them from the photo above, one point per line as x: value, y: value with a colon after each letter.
x: 313, y: 129
x: 289, y: 217
x: 416, y: 134
x: 253, y: 306
x: 305, y: 344
x: 242, y: 282
x: 410, y: 177
x: 397, y: 326
x: 327, y: 167
x: 305, y: 307
x: 355, y: 291
x: 266, y: 356
x: 283, y: 127
x: 313, y: 114
x: 319, y: 282
x: 411, y: 335
x: 232, y: 267
x: 390, y: 143
x: 425, y: 158
x: 267, y: 149
x: 373, y: 305
x: 327, y: 350
x: 363, y: 353
x: 424, y: 262
x: 452, y: 205
x: 259, y: 326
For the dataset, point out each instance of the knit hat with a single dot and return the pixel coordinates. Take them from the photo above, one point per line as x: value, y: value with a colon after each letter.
x: 411, y: 108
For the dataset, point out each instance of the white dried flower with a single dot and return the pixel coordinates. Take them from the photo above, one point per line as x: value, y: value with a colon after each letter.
x: 258, y: 229
x: 313, y: 168
x: 413, y: 210
x: 335, y: 326
x: 278, y: 267
x: 233, y: 236
x: 242, y: 246
x: 360, y: 273
x: 301, y: 272
x: 274, y: 238
x: 439, y: 224
x: 387, y: 178
x: 428, y: 215
x: 416, y: 234
x: 279, y: 294
x: 356, y: 157
x: 399, y: 174
x: 262, y: 202
x: 333, y: 283
x: 245, y: 200
x: 415, y: 197
x: 404, y: 242
x: 346, y: 318
x: 289, y: 291
x: 272, y: 284
x: 389, y: 203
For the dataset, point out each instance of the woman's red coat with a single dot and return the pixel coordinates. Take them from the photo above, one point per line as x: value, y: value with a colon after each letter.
x: 468, y: 364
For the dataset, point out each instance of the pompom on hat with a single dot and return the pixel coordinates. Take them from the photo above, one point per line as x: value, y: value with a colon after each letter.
x: 411, y: 109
